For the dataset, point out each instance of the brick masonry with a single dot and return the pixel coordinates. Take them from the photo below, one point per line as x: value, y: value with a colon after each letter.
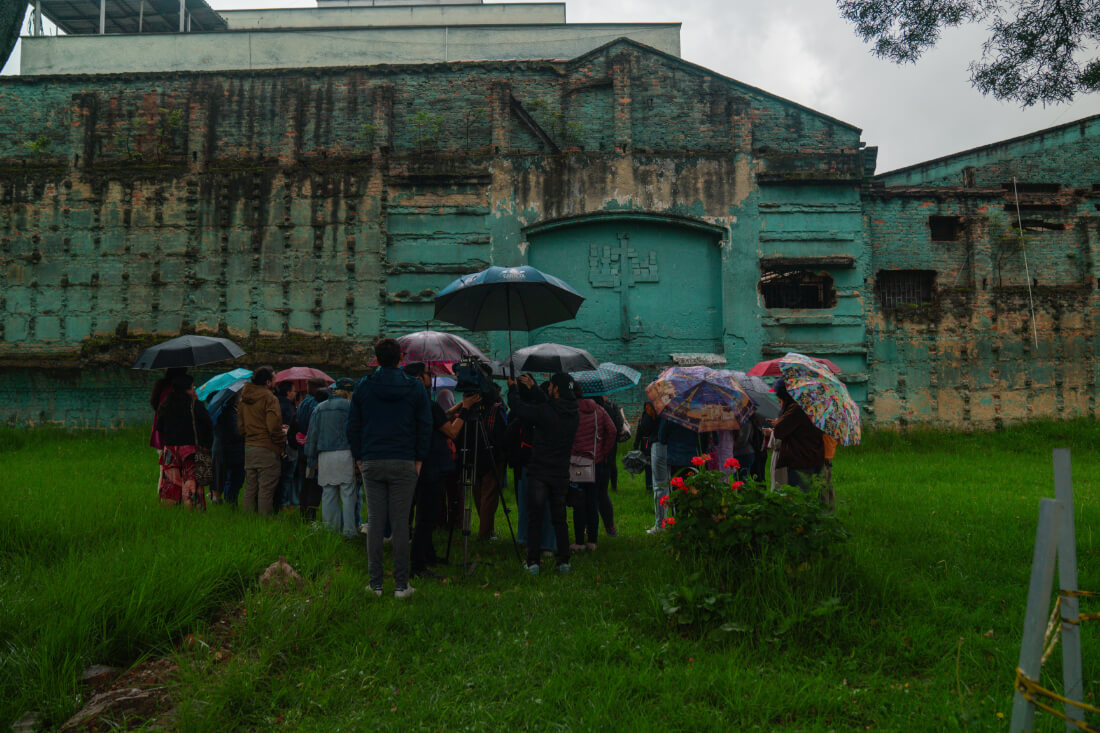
x: 305, y: 213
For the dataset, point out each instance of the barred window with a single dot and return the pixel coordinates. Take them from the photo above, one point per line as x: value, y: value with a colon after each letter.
x: 905, y: 287
x: 797, y: 289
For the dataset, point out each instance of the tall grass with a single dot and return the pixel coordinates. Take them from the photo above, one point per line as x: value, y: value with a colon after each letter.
x: 892, y: 634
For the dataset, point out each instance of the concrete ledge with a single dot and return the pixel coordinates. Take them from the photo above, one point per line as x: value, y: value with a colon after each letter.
x: 311, y: 48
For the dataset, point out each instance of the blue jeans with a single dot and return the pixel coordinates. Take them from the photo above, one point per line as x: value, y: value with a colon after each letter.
x: 289, y: 483
x: 337, y: 517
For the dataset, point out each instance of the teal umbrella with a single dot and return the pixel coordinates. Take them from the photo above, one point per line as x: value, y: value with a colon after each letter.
x: 607, y: 378
x: 221, y: 381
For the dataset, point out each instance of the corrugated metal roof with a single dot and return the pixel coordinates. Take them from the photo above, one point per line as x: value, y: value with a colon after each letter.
x: 81, y: 17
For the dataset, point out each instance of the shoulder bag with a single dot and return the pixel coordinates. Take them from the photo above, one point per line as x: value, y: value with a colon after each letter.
x: 582, y: 470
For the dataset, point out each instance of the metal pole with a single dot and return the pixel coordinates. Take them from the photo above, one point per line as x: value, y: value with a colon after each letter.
x: 141, y: 15
x: 1067, y: 580
x: 102, y: 17
x: 183, y: 12
x: 37, y: 17
x: 1038, y: 606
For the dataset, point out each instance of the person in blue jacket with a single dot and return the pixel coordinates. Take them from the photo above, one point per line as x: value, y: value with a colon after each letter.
x: 390, y: 431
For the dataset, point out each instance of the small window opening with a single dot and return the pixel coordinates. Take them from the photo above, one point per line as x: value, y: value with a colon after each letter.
x: 945, y: 228
x: 797, y: 289
x: 1096, y: 188
x: 1038, y: 225
x: 1021, y: 187
x: 905, y: 287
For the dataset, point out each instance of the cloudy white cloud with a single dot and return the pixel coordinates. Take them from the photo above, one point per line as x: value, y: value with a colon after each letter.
x: 804, y: 51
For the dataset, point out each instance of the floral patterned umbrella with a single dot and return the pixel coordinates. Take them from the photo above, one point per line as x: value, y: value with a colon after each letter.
x: 824, y: 398
x: 700, y: 398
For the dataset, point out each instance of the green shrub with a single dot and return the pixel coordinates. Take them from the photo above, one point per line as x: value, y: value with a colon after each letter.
x: 716, y: 516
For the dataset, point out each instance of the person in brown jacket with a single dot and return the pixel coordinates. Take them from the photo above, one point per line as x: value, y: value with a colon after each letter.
x: 801, y: 447
x: 261, y: 424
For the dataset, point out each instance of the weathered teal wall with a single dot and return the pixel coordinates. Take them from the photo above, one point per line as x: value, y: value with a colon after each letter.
x: 304, y: 214
x: 968, y: 355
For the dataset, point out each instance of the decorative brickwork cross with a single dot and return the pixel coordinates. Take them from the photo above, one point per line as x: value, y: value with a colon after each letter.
x: 620, y: 267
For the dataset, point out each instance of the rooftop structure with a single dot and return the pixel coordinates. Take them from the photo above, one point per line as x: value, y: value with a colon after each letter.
x: 127, y: 36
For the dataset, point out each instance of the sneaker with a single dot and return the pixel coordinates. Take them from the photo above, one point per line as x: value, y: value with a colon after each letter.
x: 564, y: 568
x: 404, y: 592
x: 654, y: 529
x: 363, y: 528
x: 576, y: 548
x: 533, y: 569
x: 613, y: 532
x: 591, y: 547
x: 376, y: 591
x: 387, y: 540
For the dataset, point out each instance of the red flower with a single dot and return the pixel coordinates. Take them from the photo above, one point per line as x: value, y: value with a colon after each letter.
x: 678, y: 483
x: 700, y: 460
x: 737, y: 485
x: 669, y: 522
x: 732, y: 463
x: 664, y: 500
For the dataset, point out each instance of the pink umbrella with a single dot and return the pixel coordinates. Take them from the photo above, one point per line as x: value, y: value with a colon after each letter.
x: 301, y: 374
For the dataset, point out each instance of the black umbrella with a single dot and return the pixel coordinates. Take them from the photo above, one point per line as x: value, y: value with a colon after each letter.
x: 219, y: 399
x: 507, y: 299
x: 185, y: 351
x: 552, y: 358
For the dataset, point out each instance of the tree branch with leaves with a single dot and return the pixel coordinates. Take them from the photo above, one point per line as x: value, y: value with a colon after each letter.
x: 1037, y: 51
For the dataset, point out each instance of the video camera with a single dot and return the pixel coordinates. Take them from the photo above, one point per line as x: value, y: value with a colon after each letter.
x: 471, y: 378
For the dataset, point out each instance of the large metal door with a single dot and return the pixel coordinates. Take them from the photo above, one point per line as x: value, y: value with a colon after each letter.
x: 652, y: 286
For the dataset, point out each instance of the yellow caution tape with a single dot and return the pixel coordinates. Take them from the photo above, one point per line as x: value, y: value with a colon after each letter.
x: 1031, y: 691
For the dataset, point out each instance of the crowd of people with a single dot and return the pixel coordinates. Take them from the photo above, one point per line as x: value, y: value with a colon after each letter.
x: 408, y: 450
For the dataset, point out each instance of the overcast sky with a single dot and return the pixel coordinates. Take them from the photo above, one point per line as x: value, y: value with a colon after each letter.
x: 802, y: 50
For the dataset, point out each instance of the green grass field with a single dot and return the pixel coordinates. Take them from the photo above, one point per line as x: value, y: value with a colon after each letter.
x: 923, y: 634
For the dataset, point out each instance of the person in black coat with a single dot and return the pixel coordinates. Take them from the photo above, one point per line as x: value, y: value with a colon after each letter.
x: 554, y: 418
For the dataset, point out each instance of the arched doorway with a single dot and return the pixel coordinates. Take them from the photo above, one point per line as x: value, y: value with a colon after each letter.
x: 652, y: 284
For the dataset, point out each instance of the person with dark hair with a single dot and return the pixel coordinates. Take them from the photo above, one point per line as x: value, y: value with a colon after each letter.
x: 228, y: 454
x: 607, y: 479
x: 260, y: 421
x: 593, y: 442
x: 801, y: 445
x: 554, y: 418
x: 438, y: 465
x: 390, y: 430
x: 491, y: 420
x: 288, y: 495
x: 161, y: 389
x: 328, y: 454
x: 310, y: 494
x: 184, y: 427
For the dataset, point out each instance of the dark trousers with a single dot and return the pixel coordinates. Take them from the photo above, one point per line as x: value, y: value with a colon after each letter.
x: 802, y: 478
x: 229, y: 472
x: 429, y: 497
x: 759, y: 463
x: 604, y: 473
x: 538, y: 492
x: 311, y: 496
x: 586, y: 513
x: 486, y: 498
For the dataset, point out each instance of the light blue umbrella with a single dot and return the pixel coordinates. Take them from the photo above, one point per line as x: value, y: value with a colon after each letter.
x: 606, y: 379
x: 219, y: 399
x: 221, y: 381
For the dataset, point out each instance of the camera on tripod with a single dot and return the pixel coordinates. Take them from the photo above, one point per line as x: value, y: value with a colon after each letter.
x: 470, y: 378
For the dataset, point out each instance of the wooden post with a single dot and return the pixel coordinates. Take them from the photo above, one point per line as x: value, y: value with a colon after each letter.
x: 1067, y: 580
x: 1038, y: 607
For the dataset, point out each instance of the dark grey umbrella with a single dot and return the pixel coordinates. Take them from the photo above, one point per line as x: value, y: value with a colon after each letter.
x: 767, y: 406
x: 219, y: 399
x: 551, y: 358
x: 190, y: 350
x: 507, y: 299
